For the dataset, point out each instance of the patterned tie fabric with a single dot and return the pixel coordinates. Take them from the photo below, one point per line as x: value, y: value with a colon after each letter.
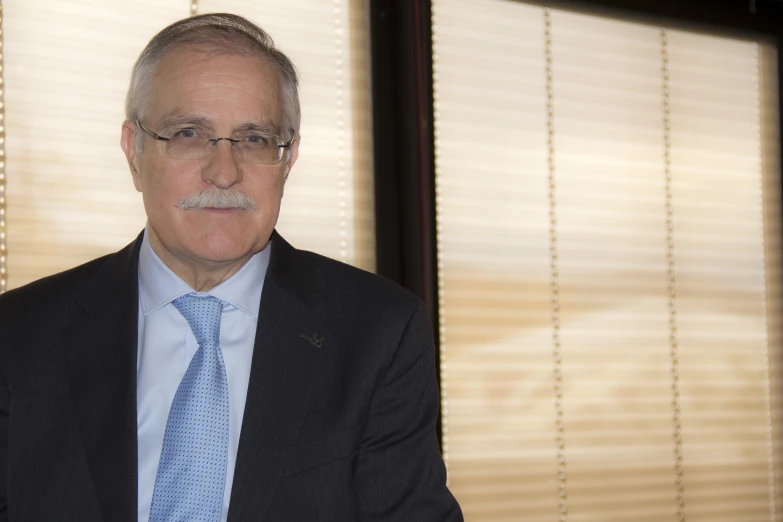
x: 192, y: 469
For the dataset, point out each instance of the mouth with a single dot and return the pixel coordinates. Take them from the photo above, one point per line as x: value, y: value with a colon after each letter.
x: 221, y: 211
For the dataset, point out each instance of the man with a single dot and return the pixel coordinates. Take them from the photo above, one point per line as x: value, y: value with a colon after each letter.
x: 209, y: 371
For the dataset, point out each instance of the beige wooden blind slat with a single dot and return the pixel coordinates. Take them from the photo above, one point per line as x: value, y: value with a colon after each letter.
x: 67, y: 66
x: 493, y: 213
x: 612, y: 261
x: 731, y: 313
x: 612, y: 266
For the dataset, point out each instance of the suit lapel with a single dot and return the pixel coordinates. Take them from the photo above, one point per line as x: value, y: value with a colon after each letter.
x: 288, y: 347
x: 100, y: 345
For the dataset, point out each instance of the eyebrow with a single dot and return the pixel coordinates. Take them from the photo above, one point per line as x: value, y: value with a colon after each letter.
x: 176, y: 119
x: 263, y: 128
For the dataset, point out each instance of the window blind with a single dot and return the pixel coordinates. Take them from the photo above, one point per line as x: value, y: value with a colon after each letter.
x: 583, y: 346
x: 67, y: 66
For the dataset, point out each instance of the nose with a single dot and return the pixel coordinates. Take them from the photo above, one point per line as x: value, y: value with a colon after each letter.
x: 222, y: 168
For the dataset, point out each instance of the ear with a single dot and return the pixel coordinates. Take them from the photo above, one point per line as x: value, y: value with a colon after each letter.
x: 128, y: 144
x: 293, y: 154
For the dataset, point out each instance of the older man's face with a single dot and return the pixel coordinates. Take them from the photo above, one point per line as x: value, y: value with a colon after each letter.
x: 222, y: 94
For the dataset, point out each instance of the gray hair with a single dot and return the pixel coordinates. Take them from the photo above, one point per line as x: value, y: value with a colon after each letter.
x: 213, y: 32
x: 229, y: 198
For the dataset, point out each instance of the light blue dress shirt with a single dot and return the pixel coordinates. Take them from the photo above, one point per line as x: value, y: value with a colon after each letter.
x: 166, y: 345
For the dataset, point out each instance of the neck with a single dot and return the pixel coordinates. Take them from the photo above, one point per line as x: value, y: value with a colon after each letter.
x: 201, y: 275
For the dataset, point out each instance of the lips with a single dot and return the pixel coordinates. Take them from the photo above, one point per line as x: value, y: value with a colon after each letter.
x: 221, y: 210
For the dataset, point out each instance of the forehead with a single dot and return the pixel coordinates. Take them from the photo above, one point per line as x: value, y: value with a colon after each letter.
x: 219, y: 87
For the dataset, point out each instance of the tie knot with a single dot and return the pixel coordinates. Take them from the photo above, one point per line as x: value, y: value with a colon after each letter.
x: 203, y: 316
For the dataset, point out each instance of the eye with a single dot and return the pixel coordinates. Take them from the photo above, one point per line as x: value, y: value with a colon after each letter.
x: 257, y: 139
x: 186, y: 134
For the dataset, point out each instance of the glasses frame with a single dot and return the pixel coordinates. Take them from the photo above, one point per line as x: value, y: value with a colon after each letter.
x: 154, y: 135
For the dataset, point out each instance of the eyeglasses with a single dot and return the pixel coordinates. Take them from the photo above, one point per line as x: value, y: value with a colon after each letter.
x: 249, y: 146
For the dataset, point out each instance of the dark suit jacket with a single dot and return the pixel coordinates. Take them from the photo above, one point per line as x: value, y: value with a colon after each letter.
x: 339, y: 423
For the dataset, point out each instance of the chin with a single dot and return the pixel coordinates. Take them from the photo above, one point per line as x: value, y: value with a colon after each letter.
x: 225, y: 249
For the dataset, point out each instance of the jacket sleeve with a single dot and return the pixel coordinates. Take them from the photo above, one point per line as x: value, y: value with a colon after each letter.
x: 5, y: 407
x: 4, y: 412
x: 400, y: 472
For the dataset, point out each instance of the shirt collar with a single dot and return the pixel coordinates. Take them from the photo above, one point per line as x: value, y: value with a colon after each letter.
x: 158, y: 285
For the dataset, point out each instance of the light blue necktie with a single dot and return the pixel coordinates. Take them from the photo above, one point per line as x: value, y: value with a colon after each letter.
x: 192, y: 469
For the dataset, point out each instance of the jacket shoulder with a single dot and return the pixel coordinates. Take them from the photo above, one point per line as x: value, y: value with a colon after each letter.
x: 99, y: 276
x: 48, y: 291
x: 347, y: 282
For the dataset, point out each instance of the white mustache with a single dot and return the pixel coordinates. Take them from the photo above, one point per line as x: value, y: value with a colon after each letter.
x: 223, y: 199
